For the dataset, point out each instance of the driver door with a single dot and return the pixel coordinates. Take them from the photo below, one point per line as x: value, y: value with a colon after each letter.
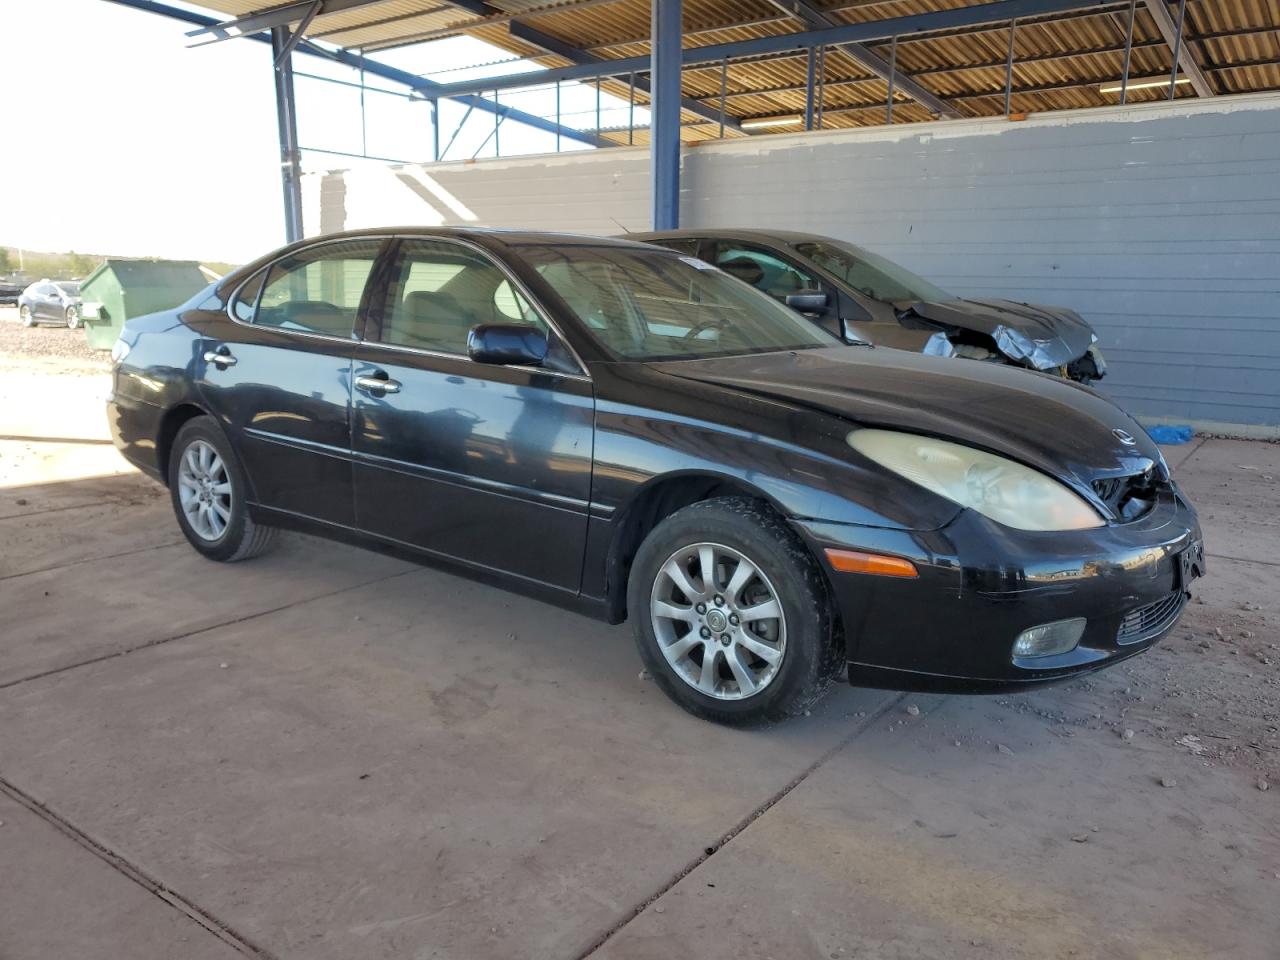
x: 484, y: 464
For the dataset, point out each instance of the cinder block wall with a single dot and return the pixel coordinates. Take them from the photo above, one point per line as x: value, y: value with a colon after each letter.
x: 1159, y: 223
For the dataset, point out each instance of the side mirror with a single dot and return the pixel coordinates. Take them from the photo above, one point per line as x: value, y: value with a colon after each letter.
x: 808, y: 301
x: 507, y: 343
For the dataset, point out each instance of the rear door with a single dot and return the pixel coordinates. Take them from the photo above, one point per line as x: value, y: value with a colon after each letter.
x: 47, y: 305
x: 486, y: 464
x: 276, y: 371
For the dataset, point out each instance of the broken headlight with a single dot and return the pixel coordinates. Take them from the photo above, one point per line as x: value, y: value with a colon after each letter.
x: 1003, y: 490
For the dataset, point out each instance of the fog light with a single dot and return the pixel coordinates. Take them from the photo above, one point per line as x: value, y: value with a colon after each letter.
x: 1049, y: 638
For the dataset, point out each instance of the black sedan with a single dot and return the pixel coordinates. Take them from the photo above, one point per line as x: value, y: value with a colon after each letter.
x: 631, y: 432
x: 55, y: 301
x: 859, y: 295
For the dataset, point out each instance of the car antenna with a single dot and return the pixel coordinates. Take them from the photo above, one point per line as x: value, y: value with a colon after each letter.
x: 620, y: 226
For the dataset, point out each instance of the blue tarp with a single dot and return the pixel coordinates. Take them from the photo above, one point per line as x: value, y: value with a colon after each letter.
x: 1170, y: 434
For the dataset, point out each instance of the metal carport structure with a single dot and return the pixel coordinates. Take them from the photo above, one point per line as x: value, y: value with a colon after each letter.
x: 731, y: 69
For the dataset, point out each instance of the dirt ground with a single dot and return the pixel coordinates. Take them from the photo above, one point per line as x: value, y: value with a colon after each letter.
x: 329, y: 753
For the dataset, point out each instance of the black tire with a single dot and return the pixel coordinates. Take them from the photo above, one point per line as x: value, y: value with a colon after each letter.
x: 26, y: 316
x: 242, y: 538
x: 754, y: 530
x: 72, y: 317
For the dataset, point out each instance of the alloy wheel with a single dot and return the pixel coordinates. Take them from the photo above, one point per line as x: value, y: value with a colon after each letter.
x: 718, y: 621
x: 73, y: 318
x: 204, y: 490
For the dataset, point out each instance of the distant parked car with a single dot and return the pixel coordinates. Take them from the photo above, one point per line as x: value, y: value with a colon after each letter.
x: 50, y: 300
x: 859, y: 295
x: 10, y: 291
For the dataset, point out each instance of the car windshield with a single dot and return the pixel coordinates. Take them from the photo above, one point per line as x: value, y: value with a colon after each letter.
x: 70, y: 289
x: 878, y: 278
x: 656, y: 305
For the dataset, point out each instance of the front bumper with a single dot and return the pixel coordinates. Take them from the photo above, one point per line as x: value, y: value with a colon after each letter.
x: 981, y: 584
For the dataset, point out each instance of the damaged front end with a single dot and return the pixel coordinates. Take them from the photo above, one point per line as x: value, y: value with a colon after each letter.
x: 1048, y: 339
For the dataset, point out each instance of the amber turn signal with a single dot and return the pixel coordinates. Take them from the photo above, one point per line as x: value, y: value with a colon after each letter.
x: 855, y: 561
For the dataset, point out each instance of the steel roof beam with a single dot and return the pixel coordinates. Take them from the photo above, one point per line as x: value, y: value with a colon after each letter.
x: 522, y: 31
x: 427, y: 88
x: 813, y: 17
x: 281, y: 16
x: 999, y: 11
x: 1186, y: 59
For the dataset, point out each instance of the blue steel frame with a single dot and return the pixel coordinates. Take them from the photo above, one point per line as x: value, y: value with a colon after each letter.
x: 664, y: 125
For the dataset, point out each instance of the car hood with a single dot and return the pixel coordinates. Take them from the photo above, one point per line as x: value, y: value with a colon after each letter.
x: 1042, y: 337
x: 1059, y: 427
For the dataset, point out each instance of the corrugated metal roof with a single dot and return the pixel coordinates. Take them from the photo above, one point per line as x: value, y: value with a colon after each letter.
x: 1059, y: 61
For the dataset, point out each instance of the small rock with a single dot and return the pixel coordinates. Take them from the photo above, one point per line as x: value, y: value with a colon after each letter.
x: 1127, y: 735
x: 1247, y: 634
x: 1168, y: 782
x: 511, y: 636
x: 223, y: 666
x: 808, y: 713
x: 659, y: 909
x: 1262, y: 784
x: 1217, y: 632
x: 646, y: 675
x: 1003, y: 749
x: 957, y: 743
x: 21, y: 501
x: 1080, y: 838
x: 913, y: 710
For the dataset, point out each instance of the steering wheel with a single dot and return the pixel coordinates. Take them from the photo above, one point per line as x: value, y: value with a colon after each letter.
x: 704, y: 325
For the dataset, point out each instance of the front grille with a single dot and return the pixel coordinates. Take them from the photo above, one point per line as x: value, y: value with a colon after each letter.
x: 1128, y: 497
x: 1152, y: 619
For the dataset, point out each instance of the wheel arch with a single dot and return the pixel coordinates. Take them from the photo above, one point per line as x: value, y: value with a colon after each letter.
x: 649, y: 505
x: 171, y: 422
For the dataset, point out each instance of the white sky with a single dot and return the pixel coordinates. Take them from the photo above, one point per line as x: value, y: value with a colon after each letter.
x: 121, y: 140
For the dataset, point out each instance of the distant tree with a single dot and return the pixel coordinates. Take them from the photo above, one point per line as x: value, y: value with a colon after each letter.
x: 80, y: 265
x: 6, y: 261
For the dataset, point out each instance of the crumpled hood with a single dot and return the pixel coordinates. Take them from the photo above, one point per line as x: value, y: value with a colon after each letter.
x: 1059, y: 427
x: 1044, y: 337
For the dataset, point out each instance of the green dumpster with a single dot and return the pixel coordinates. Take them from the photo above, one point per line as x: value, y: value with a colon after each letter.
x: 121, y: 289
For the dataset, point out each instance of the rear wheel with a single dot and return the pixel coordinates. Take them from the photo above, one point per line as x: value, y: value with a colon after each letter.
x: 730, y: 613
x: 26, y: 316
x: 73, y: 318
x: 207, y: 486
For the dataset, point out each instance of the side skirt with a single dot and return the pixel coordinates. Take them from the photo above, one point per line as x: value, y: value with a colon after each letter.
x: 595, y: 607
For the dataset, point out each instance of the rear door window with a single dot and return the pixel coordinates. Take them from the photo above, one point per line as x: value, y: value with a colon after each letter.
x: 319, y: 289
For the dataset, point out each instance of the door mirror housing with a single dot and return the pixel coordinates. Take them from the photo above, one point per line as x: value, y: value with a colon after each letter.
x: 507, y: 344
x: 808, y: 301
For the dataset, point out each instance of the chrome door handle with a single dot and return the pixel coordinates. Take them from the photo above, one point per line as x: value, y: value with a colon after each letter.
x: 221, y: 360
x: 378, y: 383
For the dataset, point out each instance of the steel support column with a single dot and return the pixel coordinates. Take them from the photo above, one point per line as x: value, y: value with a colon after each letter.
x: 287, y: 120
x: 664, y: 132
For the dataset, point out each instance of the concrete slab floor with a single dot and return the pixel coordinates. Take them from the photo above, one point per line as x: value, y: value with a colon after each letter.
x: 396, y: 762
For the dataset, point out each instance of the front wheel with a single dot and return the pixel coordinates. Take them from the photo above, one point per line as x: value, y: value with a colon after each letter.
x: 730, y: 613
x: 208, y: 490
x: 72, y: 318
x: 26, y: 316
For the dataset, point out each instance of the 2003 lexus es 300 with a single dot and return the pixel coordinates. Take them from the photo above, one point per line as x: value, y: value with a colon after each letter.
x: 636, y: 434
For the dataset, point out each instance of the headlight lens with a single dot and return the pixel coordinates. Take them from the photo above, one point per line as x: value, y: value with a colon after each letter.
x: 1001, y: 489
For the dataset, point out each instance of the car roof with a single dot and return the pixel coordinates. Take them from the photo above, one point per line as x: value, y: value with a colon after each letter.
x: 785, y: 237
x: 496, y: 235
x: 489, y: 237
